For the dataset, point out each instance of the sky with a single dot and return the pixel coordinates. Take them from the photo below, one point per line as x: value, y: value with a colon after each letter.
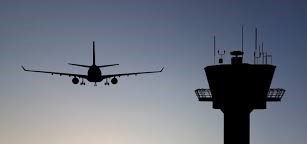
x: 143, y: 35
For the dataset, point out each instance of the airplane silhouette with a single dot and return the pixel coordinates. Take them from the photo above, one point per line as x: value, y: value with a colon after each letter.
x: 94, y: 73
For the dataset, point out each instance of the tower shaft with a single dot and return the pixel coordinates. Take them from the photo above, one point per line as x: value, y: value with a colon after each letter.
x: 236, y: 126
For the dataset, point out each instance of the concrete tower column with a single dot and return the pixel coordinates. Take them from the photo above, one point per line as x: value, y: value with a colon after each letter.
x: 236, y: 126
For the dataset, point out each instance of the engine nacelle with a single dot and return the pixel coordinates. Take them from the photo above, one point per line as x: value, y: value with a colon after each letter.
x: 114, y: 80
x: 75, y: 80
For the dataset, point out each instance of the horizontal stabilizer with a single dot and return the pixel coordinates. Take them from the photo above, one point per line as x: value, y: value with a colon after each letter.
x: 108, y: 65
x: 79, y: 65
x: 161, y: 69
x: 24, y: 68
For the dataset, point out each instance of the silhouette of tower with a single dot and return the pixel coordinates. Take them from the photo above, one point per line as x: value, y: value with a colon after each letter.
x: 237, y: 89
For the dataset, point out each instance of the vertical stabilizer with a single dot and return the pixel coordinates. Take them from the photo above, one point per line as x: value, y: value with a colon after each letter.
x: 94, y: 53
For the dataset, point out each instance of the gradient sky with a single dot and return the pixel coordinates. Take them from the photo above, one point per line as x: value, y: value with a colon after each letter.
x: 143, y: 35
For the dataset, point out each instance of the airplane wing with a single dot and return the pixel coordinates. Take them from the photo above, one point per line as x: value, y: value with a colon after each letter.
x: 57, y: 73
x: 127, y: 74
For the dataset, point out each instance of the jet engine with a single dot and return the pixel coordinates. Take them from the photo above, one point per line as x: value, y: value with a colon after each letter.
x: 75, y: 80
x: 114, y: 80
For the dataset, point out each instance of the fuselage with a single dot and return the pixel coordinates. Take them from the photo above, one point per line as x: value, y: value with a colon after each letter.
x: 94, y: 74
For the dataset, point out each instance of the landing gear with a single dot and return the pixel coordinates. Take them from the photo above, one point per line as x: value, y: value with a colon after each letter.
x: 82, y: 82
x: 95, y: 84
x: 106, y: 83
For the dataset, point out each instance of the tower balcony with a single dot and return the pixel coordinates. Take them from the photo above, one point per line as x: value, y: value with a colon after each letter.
x: 274, y: 94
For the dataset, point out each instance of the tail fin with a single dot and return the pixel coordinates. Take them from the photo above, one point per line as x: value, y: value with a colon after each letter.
x: 94, y: 53
x: 80, y: 65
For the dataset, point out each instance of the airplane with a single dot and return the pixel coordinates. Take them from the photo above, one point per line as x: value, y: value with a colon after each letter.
x: 93, y: 74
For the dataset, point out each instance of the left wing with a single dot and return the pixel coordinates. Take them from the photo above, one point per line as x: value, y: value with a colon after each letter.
x: 127, y: 74
x: 58, y: 73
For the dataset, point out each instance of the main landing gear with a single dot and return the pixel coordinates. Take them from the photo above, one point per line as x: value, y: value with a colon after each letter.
x: 82, y: 82
x: 106, y: 83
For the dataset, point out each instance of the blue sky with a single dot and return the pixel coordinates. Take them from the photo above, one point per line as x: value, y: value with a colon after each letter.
x: 142, y: 35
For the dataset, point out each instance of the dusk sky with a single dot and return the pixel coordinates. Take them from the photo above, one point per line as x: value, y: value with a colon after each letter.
x: 143, y: 35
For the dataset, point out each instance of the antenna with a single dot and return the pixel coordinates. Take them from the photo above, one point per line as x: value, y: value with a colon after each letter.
x: 259, y: 51
x: 242, y: 30
x: 214, y: 49
x: 255, y: 46
x: 262, y: 53
x: 266, y: 58
x: 221, y: 54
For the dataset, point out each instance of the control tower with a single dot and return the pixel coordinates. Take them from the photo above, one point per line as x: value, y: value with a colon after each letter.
x: 237, y: 89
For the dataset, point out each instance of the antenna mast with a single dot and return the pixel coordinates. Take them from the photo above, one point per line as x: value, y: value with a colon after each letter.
x: 262, y: 53
x: 255, y: 46
x: 242, y: 37
x: 214, y: 49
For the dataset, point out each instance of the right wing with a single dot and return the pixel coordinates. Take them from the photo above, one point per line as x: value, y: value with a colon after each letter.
x: 57, y: 73
x: 127, y: 74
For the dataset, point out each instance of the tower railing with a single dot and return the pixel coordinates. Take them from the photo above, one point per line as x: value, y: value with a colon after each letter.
x: 203, y: 94
x: 274, y: 94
